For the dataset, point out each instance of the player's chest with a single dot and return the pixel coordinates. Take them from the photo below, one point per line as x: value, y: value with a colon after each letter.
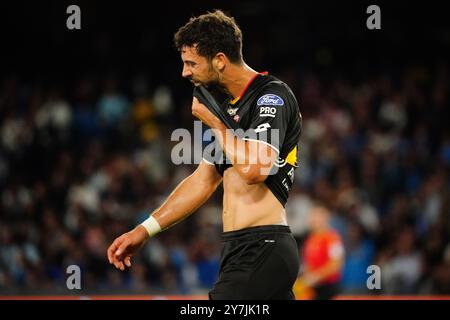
x: 241, y: 114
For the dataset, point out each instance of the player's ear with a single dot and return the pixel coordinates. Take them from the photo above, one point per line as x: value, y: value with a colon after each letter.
x: 219, y: 62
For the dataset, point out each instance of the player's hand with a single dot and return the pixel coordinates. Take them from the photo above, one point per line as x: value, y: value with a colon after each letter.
x: 123, y: 248
x: 201, y: 112
x: 310, y: 279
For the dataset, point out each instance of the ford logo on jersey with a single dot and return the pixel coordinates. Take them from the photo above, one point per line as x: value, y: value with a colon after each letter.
x: 270, y: 100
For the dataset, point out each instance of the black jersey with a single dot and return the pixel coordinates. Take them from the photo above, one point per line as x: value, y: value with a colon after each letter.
x: 266, y: 111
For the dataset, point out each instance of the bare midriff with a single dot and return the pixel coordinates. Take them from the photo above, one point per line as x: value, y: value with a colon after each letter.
x: 247, y: 205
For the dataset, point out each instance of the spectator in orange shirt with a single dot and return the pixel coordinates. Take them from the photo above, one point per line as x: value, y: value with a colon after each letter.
x: 323, y: 258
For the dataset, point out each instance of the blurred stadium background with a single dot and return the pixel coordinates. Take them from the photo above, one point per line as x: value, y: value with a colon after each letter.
x: 86, y: 118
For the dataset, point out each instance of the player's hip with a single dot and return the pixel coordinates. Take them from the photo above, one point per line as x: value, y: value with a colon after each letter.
x: 258, y: 263
x: 249, y: 248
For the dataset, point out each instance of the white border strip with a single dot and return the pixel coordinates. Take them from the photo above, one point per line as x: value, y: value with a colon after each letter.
x: 267, y: 115
x: 248, y: 139
x: 207, y: 162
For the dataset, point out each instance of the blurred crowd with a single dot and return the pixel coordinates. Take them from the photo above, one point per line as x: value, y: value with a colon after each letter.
x: 80, y: 164
x: 377, y: 153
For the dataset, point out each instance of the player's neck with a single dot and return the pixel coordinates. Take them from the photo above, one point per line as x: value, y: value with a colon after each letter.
x: 237, y: 78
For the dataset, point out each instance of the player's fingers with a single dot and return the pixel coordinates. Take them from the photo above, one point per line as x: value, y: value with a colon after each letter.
x: 112, y: 249
x: 119, y: 265
x: 110, y: 253
x: 122, y: 247
x: 127, y: 261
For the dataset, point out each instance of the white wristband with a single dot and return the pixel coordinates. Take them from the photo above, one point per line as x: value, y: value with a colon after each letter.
x: 152, y: 226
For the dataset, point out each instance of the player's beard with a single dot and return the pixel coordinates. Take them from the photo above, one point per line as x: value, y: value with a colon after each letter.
x: 214, y: 83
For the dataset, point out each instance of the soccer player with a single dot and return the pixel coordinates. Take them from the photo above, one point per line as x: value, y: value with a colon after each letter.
x: 323, y: 258
x: 260, y: 256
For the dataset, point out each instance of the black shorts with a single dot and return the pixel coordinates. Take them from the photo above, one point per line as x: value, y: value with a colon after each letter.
x: 257, y: 263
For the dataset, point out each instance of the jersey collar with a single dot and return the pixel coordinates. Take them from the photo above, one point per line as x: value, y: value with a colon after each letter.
x: 235, y: 100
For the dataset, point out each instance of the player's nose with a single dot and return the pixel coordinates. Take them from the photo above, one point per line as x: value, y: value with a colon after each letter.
x: 186, y: 73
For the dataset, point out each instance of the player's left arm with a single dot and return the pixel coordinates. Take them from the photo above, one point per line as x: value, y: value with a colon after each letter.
x: 255, y: 154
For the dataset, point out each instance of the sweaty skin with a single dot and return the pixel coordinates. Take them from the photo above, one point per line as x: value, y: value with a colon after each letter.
x: 248, y: 205
x: 247, y: 202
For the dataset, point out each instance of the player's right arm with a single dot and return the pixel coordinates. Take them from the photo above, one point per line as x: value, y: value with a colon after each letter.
x: 187, y: 197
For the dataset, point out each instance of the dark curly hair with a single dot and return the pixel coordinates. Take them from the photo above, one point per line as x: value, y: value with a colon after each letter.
x: 211, y: 33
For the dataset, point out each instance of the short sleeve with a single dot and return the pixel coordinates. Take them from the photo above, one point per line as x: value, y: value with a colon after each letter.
x: 270, y: 119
